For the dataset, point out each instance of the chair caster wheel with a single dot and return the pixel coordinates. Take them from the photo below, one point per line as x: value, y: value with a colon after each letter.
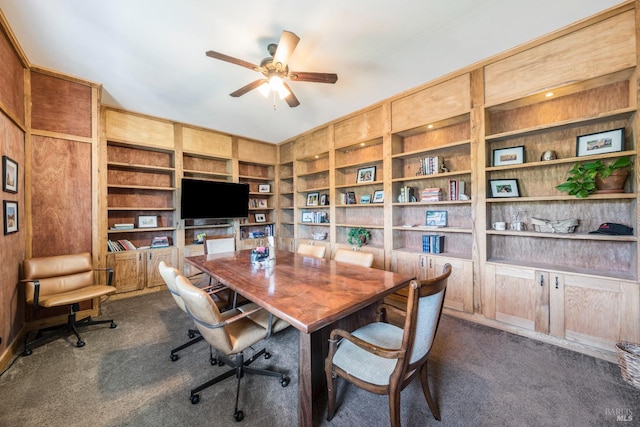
x: 27, y: 352
x: 80, y: 343
x: 238, y: 415
x: 214, y: 362
x: 195, y: 398
x: 190, y: 335
x: 285, y: 381
x: 174, y: 357
x: 220, y: 363
x: 267, y: 355
x: 113, y: 325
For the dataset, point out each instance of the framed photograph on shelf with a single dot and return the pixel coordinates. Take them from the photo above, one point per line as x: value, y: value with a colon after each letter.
x: 9, y: 175
x: 366, y: 174
x: 261, y: 218
x: 599, y: 143
x: 324, y: 200
x: 264, y: 188
x: 436, y: 219
x: 365, y: 198
x: 504, y: 188
x: 508, y: 156
x: 307, y: 216
x: 378, y: 196
x: 262, y: 203
x: 10, y: 210
x: 147, y: 221
x: 312, y: 199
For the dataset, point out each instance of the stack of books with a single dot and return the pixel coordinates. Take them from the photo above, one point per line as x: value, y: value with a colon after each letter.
x: 456, y: 189
x: 431, y: 195
x: 433, y: 243
x: 124, y: 226
x: 431, y: 165
x: 348, y: 198
x: 406, y: 195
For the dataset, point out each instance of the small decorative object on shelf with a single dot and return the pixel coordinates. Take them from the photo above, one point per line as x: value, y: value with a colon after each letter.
x: 366, y: 174
x: 508, y: 156
x: 563, y: 226
x: 365, y: 198
x: 378, y: 196
x: 599, y: 143
x: 504, y: 188
x: 200, y: 238
x: 160, y: 242
x: 319, y: 236
x: 264, y: 188
x: 259, y: 254
x: 358, y: 236
x: 436, y: 219
x: 548, y: 155
x: 584, y: 178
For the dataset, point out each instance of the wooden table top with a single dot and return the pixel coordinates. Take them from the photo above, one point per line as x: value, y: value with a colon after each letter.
x: 307, y: 292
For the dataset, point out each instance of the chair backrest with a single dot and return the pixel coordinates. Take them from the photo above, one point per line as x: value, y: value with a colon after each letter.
x: 317, y: 251
x: 218, y: 244
x: 57, y: 274
x: 364, y: 259
x: 205, y: 313
x: 169, y: 275
x: 424, y: 309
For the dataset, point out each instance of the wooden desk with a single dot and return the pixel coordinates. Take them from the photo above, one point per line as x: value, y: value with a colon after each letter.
x: 313, y: 295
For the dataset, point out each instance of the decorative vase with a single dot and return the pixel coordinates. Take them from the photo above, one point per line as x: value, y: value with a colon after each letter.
x: 614, y: 183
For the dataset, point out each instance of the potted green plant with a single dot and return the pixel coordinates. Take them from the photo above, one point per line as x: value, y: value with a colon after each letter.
x: 358, y: 236
x: 590, y: 177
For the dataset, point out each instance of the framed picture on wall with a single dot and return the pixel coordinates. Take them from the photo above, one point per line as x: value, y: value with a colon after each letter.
x: 264, y: 188
x: 261, y: 218
x: 312, y: 199
x: 508, y: 156
x: 10, y: 215
x: 602, y: 142
x: 9, y: 175
x: 147, y: 221
x: 504, y: 188
x: 378, y: 196
x: 366, y: 174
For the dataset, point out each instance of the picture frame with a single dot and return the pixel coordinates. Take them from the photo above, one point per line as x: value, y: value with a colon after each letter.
x: 378, y: 196
x: 366, y: 174
x: 324, y: 200
x: 10, y: 215
x: 312, y: 199
x: 262, y: 203
x: 307, y: 216
x: 261, y: 217
x: 147, y: 221
x: 9, y: 175
x: 264, y: 188
x: 504, y: 188
x: 365, y: 198
x: 508, y: 156
x: 436, y: 219
x: 598, y: 143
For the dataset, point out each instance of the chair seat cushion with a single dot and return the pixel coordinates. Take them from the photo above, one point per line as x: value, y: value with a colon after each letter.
x: 363, y: 364
x: 74, y: 296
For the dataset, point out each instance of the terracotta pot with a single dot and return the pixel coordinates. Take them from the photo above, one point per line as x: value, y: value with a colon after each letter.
x: 614, y: 183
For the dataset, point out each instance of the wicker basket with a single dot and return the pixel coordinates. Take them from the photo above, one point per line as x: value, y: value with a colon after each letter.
x: 629, y: 362
x: 562, y: 226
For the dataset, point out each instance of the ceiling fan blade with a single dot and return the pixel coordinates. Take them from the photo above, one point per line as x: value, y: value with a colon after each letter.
x: 291, y: 98
x: 231, y: 59
x: 247, y: 88
x: 286, y: 46
x: 313, y: 77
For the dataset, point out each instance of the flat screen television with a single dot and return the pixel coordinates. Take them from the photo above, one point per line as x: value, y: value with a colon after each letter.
x: 213, y: 199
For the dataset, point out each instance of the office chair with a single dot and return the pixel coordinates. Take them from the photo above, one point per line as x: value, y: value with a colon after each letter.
x: 231, y: 333
x: 364, y: 259
x: 382, y: 358
x: 63, y: 280
x: 312, y: 250
x: 169, y: 275
x: 217, y: 244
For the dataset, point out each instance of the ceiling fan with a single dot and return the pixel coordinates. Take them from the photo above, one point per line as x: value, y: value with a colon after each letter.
x: 275, y: 70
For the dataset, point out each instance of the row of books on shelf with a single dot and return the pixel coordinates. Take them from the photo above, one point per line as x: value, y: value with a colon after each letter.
x: 120, y: 245
x: 433, y: 243
x: 456, y: 192
x: 348, y: 198
x: 431, y: 165
x: 124, y: 226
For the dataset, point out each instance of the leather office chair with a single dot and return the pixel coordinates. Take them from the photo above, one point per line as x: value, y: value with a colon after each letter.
x: 364, y: 259
x: 169, y: 275
x: 217, y: 244
x: 312, y: 250
x: 63, y: 280
x: 231, y: 333
x: 382, y: 358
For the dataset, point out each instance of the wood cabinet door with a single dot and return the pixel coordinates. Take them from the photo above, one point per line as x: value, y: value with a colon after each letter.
x: 410, y: 264
x: 594, y: 311
x: 128, y: 270
x: 191, y: 250
x: 459, y: 294
x: 517, y: 296
x: 154, y: 256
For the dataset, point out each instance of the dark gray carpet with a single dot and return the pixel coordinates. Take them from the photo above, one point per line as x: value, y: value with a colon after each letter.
x: 123, y: 377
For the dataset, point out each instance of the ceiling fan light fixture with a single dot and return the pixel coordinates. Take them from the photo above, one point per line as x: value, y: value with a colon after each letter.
x: 264, y: 89
x: 276, y: 84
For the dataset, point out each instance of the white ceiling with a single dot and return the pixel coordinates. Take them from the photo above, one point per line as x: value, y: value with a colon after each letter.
x: 149, y: 55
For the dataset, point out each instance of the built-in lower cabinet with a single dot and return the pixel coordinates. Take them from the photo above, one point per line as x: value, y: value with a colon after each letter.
x: 587, y: 310
x: 459, y: 295
x: 136, y: 270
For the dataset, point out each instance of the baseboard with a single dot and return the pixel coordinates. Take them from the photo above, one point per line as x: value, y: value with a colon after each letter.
x: 16, y: 347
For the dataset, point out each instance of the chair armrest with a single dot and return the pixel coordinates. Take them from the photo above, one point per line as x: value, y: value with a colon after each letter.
x: 226, y: 322
x: 387, y: 353
x: 109, y: 271
x: 36, y: 291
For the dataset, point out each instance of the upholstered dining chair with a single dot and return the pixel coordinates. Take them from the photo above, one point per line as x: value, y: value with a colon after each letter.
x: 317, y: 251
x: 231, y: 333
x: 217, y: 244
x: 364, y: 259
x: 382, y: 358
x: 63, y: 280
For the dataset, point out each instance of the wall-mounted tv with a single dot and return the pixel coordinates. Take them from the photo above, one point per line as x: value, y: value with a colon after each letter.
x: 213, y: 199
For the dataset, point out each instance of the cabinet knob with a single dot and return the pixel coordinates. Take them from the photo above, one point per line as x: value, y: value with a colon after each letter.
x: 557, y: 282
x: 541, y: 280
